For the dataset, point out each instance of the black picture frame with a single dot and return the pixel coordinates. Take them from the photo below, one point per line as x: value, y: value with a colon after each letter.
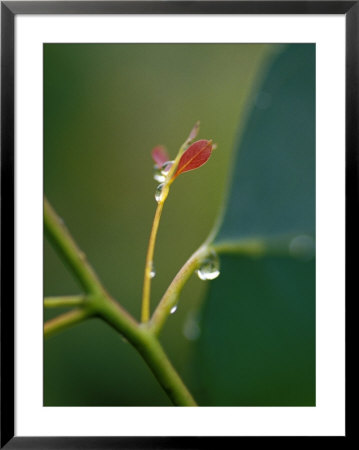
x: 9, y: 10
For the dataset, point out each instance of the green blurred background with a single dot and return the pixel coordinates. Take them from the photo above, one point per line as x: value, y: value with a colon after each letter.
x: 105, y: 107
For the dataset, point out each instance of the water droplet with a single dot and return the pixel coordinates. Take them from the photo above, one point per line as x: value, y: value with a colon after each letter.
x: 157, y: 174
x: 159, y: 192
x: 173, y: 309
x: 152, y: 271
x: 166, y: 168
x: 302, y: 247
x: 209, y: 268
x: 160, y: 173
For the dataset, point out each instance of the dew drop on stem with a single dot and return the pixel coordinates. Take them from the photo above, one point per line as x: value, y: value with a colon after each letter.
x: 160, y: 173
x: 157, y: 174
x: 209, y: 267
x: 152, y: 270
x: 159, y: 192
x: 166, y: 168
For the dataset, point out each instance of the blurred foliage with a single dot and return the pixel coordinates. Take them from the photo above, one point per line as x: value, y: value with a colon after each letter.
x: 105, y: 107
x: 258, y: 341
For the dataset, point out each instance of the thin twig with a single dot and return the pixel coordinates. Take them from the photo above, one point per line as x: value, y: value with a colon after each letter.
x: 170, y: 298
x: 67, y: 301
x: 65, y: 321
x: 145, y: 312
x: 69, y: 251
x: 100, y: 304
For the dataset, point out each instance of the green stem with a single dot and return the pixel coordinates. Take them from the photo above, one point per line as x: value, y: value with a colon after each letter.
x: 170, y: 298
x: 253, y: 247
x: 273, y: 246
x: 146, y: 293
x: 138, y: 335
x: 145, y: 312
x: 68, y: 301
x: 165, y: 373
x: 65, y: 321
x: 100, y: 304
x: 152, y: 352
x: 69, y: 251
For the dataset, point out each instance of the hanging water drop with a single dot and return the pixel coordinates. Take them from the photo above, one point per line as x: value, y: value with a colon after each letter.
x: 209, y: 268
x: 160, y: 173
x: 166, y: 168
x: 173, y: 309
x: 159, y: 192
x: 157, y: 174
x: 152, y: 271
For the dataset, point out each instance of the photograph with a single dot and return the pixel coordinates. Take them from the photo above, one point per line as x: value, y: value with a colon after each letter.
x: 179, y: 184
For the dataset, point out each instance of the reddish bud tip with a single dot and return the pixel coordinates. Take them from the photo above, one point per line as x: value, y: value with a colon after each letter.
x: 195, y: 156
x: 160, y: 155
x: 193, y: 132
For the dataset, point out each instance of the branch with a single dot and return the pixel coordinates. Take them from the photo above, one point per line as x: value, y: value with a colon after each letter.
x: 69, y: 251
x: 145, y: 312
x: 145, y: 309
x: 65, y: 321
x: 68, y: 301
x: 151, y: 351
x: 252, y: 247
x: 261, y: 246
x: 100, y: 304
x: 170, y: 298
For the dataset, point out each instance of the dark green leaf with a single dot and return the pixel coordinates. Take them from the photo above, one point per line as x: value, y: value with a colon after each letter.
x: 273, y: 188
x: 258, y: 327
x: 257, y: 343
